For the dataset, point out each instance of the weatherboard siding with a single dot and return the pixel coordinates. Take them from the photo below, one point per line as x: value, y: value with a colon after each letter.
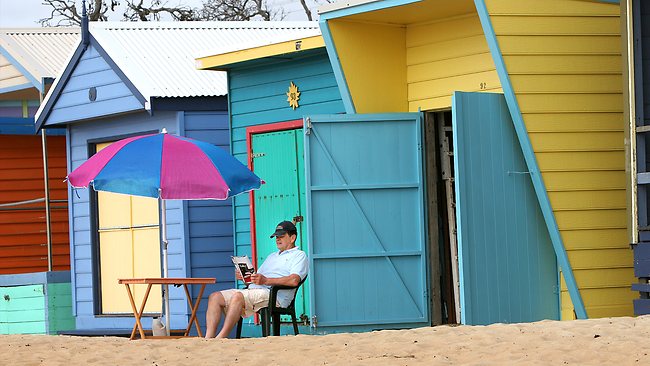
x: 564, y: 62
x: 258, y: 97
x: 209, y: 222
x: 113, y: 95
x: 439, y: 62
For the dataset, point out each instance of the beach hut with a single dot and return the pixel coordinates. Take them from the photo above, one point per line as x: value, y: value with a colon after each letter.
x: 34, y: 253
x: 636, y: 36
x: 478, y: 174
x: 128, y: 79
x: 546, y: 74
x: 271, y: 89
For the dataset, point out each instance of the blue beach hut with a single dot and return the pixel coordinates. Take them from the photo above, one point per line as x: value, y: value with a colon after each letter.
x: 127, y: 79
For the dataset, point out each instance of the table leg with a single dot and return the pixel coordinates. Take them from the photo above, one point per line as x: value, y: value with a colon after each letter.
x: 194, y: 308
x: 138, y: 325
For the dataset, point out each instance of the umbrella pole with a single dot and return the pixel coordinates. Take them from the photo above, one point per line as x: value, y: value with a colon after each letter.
x: 163, y: 218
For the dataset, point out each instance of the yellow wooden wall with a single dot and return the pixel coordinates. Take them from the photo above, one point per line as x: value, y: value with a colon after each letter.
x: 373, y: 59
x: 564, y: 62
x: 444, y: 56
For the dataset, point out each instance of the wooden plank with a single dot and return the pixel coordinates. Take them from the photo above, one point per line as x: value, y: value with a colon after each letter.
x: 577, y: 141
x: 23, y: 328
x: 595, y: 219
x: 564, y: 44
x: 168, y: 281
x: 556, y: 25
x: 563, y: 64
x: 22, y: 316
x: 557, y: 181
x: 579, y: 161
x: 592, y: 199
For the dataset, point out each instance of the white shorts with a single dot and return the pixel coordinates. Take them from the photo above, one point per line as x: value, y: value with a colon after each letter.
x: 254, y: 299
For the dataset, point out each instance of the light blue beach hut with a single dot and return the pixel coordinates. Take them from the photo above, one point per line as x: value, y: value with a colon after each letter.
x: 128, y: 79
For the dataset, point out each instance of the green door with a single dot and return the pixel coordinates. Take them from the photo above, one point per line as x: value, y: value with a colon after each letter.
x: 278, y: 159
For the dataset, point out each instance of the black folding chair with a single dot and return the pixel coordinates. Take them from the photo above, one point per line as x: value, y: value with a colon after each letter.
x: 270, y: 315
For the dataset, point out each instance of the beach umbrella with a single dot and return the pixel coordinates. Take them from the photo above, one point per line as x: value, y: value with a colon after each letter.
x: 166, y: 167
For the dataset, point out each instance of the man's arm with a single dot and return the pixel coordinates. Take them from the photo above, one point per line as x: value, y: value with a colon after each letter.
x: 291, y: 280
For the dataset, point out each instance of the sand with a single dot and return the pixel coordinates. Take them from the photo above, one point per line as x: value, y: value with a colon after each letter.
x: 610, y: 341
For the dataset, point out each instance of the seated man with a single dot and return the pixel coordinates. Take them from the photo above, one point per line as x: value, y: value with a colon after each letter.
x: 288, y: 266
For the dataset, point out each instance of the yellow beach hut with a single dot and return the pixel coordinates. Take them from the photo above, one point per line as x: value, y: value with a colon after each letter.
x: 552, y: 69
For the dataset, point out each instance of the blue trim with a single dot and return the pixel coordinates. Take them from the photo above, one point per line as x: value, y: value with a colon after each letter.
x: 531, y: 161
x: 61, y: 83
x: 118, y: 71
x: 22, y: 69
x: 10, y: 89
x: 194, y: 104
x: 35, y: 278
x: 16, y: 126
x: 609, y: 1
x: 364, y: 8
x: 337, y: 68
x: 73, y: 279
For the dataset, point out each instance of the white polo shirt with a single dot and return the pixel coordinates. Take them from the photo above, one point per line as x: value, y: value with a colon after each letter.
x: 291, y: 261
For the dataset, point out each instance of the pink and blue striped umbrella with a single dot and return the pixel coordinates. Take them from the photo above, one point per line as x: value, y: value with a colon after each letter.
x: 165, y: 166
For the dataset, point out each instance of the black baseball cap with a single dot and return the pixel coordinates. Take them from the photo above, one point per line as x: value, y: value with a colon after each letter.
x: 285, y: 227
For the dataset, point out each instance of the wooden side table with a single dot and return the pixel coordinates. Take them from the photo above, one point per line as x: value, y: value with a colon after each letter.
x: 165, y: 281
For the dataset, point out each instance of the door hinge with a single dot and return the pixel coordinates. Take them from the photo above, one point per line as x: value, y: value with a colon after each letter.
x: 257, y: 155
x: 308, y: 127
x: 297, y: 219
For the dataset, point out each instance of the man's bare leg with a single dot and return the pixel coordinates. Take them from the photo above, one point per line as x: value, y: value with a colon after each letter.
x: 232, y: 316
x: 216, y: 304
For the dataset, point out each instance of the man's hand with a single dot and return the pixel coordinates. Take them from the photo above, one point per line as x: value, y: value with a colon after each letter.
x: 258, y: 279
x: 238, y: 275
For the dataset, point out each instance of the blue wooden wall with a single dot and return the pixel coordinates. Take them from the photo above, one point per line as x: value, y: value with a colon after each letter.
x: 209, y: 227
x: 258, y: 96
x: 80, y: 219
x: 113, y: 95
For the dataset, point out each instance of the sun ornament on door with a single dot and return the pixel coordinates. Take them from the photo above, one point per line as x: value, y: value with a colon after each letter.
x: 293, y: 96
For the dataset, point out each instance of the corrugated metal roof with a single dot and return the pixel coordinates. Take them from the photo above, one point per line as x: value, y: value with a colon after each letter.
x: 42, y: 52
x: 159, y: 57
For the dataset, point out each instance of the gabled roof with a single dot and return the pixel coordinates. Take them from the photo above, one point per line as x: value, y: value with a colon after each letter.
x: 31, y: 54
x: 158, y: 58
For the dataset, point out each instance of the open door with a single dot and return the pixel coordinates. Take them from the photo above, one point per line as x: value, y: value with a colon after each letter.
x: 508, y: 269
x: 365, y: 198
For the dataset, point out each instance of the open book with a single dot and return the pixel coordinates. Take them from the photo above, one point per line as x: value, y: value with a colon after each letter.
x: 244, y: 266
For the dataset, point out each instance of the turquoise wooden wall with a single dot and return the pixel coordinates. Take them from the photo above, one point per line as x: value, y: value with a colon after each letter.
x: 36, y: 303
x: 113, y: 95
x: 508, y: 270
x: 258, y: 96
x: 366, y: 215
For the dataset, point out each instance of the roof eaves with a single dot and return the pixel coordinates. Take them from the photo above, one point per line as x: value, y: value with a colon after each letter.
x: 346, y: 8
x: 60, y: 82
x: 221, y: 62
x: 17, y: 64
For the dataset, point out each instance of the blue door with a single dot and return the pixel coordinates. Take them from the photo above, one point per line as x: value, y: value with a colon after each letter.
x: 365, y: 198
x: 508, y: 269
